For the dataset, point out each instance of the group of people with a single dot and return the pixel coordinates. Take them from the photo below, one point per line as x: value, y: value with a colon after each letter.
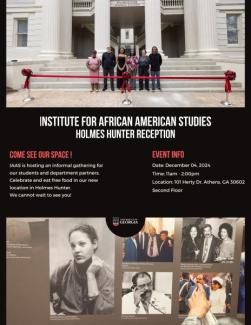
x: 199, y: 308
x: 203, y: 247
x: 217, y: 291
x: 149, y: 247
x: 143, y: 66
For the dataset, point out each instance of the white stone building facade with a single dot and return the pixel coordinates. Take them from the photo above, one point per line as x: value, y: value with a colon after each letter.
x: 50, y: 29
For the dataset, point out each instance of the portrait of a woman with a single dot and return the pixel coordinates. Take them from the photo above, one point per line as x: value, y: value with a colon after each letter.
x: 226, y: 248
x: 83, y: 285
x: 191, y: 245
x: 217, y: 296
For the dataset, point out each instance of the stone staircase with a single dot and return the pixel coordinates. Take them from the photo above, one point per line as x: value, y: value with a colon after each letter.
x: 170, y: 67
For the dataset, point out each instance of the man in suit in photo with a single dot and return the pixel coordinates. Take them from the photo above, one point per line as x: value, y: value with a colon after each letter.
x: 131, y: 250
x: 165, y: 248
x: 184, y: 286
x: 200, y: 278
x: 142, y: 239
x: 209, y: 246
x: 153, y: 246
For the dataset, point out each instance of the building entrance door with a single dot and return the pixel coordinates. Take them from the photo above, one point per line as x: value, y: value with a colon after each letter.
x: 127, y: 39
x: 128, y: 26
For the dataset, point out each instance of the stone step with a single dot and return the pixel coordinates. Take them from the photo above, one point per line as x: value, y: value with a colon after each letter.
x: 165, y: 62
x: 206, y: 85
x: 83, y: 61
x: 164, y: 67
x: 162, y: 72
x: 86, y: 80
x: 211, y: 89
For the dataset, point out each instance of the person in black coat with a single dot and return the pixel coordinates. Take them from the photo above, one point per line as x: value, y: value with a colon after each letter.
x: 184, y: 286
x: 144, y: 63
x: 165, y: 248
x: 108, y: 64
x: 131, y: 250
x: 142, y: 239
x: 191, y: 245
x: 209, y: 247
x: 155, y: 62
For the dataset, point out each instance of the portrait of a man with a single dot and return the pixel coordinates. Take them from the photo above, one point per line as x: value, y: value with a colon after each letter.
x: 145, y: 295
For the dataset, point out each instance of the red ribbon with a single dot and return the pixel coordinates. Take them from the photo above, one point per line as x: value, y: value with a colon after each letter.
x: 27, y: 73
x: 125, y: 85
x: 230, y: 75
x: 120, y: 77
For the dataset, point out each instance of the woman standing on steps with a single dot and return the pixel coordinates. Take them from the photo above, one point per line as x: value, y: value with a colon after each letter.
x: 133, y: 62
x: 144, y: 63
x: 93, y: 63
x: 121, y: 65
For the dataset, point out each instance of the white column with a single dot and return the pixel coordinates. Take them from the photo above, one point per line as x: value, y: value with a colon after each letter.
x: 190, y: 20
x: 153, y: 25
x: 57, y: 29
x: 137, y: 51
x: 102, y: 25
x: 206, y: 19
x: 116, y: 50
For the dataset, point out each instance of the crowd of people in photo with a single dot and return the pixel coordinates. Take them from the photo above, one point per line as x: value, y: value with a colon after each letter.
x: 217, y: 290
x: 201, y: 246
x: 149, y: 247
x: 143, y: 66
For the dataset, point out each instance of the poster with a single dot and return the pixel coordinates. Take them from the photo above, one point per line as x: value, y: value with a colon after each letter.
x: 125, y: 160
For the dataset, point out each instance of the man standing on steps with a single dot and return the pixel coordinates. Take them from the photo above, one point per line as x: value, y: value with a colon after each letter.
x: 108, y: 64
x: 155, y: 62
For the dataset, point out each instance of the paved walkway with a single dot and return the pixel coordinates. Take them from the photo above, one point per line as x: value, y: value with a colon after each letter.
x: 60, y: 98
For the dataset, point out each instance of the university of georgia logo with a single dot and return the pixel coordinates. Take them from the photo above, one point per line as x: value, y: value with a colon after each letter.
x: 115, y: 222
x: 124, y: 226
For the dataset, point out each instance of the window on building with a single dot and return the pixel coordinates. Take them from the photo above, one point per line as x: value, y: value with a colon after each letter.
x: 127, y: 34
x: 233, y: 28
x: 22, y: 32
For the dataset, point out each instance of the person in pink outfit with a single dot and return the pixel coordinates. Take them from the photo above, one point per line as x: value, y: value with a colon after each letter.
x: 132, y: 63
x: 93, y: 63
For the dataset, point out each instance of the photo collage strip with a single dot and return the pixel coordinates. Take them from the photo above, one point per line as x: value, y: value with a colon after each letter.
x: 172, y: 255
x: 154, y: 272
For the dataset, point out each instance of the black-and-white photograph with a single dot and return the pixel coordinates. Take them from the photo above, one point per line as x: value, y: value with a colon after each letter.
x: 208, y: 240
x: 146, y: 293
x: 154, y: 242
x: 81, y: 266
x: 217, y: 288
x: 25, y: 231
